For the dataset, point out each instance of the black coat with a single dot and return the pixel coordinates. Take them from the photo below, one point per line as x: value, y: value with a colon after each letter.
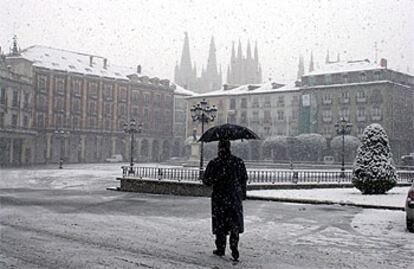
x: 228, y: 177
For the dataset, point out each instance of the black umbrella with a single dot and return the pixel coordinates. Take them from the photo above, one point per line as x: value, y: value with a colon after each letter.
x: 227, y: 132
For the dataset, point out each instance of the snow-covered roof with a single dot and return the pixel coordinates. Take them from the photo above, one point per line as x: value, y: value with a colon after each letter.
x: 181, y: 91
x: 267, y: 87
x: 77, y: 62
x: 355, y: 84
x: 342, y: 67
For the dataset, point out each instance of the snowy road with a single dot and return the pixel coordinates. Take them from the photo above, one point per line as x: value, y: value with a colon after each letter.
x: 52, y: 218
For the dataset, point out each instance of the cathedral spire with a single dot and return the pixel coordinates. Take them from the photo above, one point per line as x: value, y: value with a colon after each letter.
x: 233, y: 53
x: 185, y: 64
x: 239, y: 52
x: 301, y: 67
x: 244, y: 69
x: 311, y: 64
x: 184, y: 72
x: 212, y: 60
x: 248, y: 51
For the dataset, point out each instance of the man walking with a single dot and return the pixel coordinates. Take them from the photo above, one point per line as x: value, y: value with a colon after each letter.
x: 228, y: 177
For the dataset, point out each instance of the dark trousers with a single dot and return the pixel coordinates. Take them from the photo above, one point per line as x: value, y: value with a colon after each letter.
x: 221, y: 239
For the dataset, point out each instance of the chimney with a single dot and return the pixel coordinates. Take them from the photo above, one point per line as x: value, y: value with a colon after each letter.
x: 383, y: 63
x: 225, y: 87
x: 90, y: 60
x: 139, y: 69
x: 105, y: 63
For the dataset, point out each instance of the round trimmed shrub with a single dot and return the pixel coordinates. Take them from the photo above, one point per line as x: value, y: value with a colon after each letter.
x: 374, y: 171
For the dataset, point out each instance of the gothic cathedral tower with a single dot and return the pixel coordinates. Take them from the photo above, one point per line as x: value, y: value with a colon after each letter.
x: 185, y: 74
x: 244, y: 70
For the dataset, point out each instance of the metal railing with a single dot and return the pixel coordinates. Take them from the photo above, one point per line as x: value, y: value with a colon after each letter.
x: 255, y: 176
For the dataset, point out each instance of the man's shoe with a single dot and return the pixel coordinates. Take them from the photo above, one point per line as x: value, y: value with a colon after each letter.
x: 235, y: 254
x: 218, y: 252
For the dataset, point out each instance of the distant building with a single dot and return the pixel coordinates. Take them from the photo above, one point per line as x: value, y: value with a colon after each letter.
x: 270, y: 109
x: 363, y: 93
x: 16, y: 110
x: 90, y: 99
x: 241, y: 70
x: 185, y: 74
x: 244, y: 69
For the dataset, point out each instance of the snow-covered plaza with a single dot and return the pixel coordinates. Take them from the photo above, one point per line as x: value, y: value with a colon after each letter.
x: 65, y: 218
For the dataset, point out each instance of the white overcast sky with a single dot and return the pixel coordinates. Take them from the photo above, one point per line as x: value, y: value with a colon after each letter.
x: 151, y: 32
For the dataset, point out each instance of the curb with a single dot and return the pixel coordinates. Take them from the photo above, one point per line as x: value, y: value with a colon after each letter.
x: 321, y: 202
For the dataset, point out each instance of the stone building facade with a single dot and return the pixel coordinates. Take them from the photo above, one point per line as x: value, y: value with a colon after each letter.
x: 269, y: 109
x: 16, y: 110
x: 362, y: 93
x: 90, y: 100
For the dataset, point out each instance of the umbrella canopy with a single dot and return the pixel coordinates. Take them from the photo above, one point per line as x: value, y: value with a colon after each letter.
x: 227, y: 132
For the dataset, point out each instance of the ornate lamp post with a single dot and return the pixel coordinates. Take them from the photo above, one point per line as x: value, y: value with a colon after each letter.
x: 203, y: 113
x: 132, y: 129
x: 61, y: 134
x: 343, y: 128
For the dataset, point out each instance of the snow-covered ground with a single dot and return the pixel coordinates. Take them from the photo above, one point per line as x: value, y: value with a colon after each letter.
x: 395, y: 198
x: 51, y: 218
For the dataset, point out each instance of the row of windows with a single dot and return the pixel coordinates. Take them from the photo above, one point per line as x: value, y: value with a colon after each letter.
x: 361, y: 115
x: 344, y: 98
x: 15, y: 101
x: 14, y: 120
x: 59, y: 106
x: 267, y: 102
x: 267, y: 117
x: 107, y: 92
x: 340, y: 78
x: 161, y: 121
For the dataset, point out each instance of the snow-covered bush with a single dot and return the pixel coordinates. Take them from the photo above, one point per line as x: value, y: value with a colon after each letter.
x: 313, y: 146
x: 374, y: 172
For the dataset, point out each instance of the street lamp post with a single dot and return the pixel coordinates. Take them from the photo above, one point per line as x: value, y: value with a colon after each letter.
x: 343, y: 128
x: 203, y: 113
x: 132, y: 129
x: 60, y: 133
